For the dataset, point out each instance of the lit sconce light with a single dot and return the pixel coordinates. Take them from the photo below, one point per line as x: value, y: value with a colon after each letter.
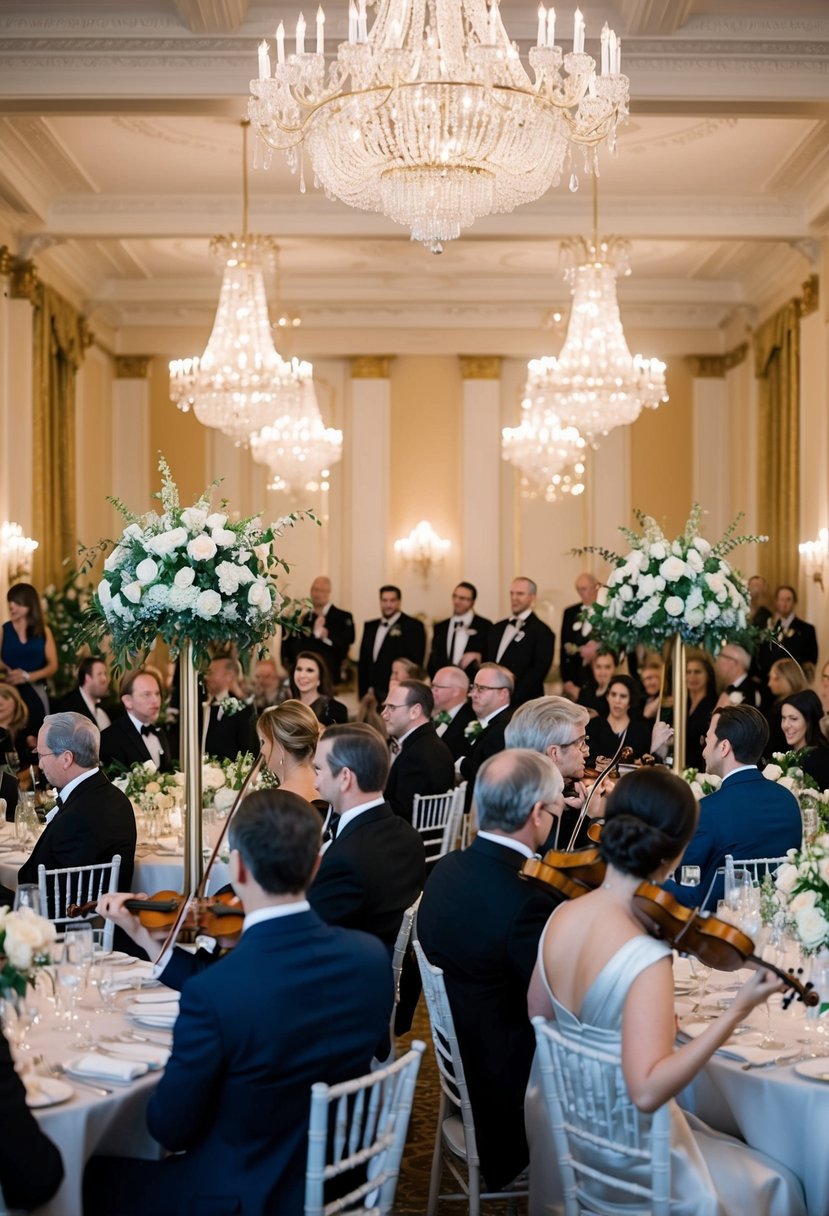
x: 813, y: 554
x: 422, y: 548
x: 15, y: 551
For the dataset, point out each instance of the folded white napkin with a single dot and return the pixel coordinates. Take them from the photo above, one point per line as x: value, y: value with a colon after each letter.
x: 144, y: 1053
x: 161, y: 997
x: 156, y: 1021
x: 745, y: 1048
x: 108, y: 1068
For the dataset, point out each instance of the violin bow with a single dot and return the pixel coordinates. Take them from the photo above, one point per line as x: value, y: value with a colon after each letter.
x: 176, y: 927
x: 596, y: 784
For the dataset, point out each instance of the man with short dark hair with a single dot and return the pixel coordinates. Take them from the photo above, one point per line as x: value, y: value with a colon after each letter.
x: 522, y: 643
x: 228, y: 726
x: 797, y: 636
x: 392, y: 635
x: 297, y: 1001
x: 480, y: 922
x: 136, y: 737
x: 748, y: 816
x: 733, y: 664
x: 420, y: 762
x: 325, y: 630
x: 93, y: 685
x: 577, y: 650
x: 459, y: 641
x: 453, y: 712
x: 374, y: 867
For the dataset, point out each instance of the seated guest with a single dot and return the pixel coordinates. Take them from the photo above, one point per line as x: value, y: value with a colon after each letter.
x: 800, y: 716
x: 453, y: 713
x: 739, y: 688
x: 593, y: 692
x: 311, y: 684
x: 651, y: 676
x: 136, y: 735
x: 747, y: 816
x: 288, y: 735
x: 405, y: 669
x: 701, y: 685
x: 13, y: 718
x: 420, y: 762
x: 491, y: 694
x: 480, y: 922
x: 93, y: 686
x: 270, y: 685
x: 31, y: 1169
x: 785, y: 678
x: 94, y: 820
x: 253, y: 1034
x: 228, y: 727
x: 605, y: 734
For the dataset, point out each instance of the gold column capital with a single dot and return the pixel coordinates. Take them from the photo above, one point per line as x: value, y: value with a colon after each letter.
x: 132, y: 367
x: 480, y: 367
x: 24, y: 280
x: 5, y: 261
x: 371, y: 367
x: 810, y: 300
x: 715, y: 367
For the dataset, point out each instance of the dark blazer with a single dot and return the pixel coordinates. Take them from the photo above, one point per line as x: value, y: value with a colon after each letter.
x: 424, y: 766
x: 333, y: 649
x: 696, y: 727
x: 370, y: 874
x: 481, y: 923
x: 31, y: 1169
x: 405, y: 640
x: 490, y: 741
x: 529, y: 656
x: 9, y: 790
x: 800, y: 640
x: 604, y: 742
x: 74, y: 703
x: 571, y: 666
x: 329, y: 711
x: 453, y: 736
x: 816, y: 764
x: 123, y: 745
x: 439, y: 654
x: 254, y: 1033
x: 94, y: 824
x: 231, y: 734
x: 748, y: 816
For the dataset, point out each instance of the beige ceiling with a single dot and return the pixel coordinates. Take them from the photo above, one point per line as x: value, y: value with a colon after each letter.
x: 120, y: 155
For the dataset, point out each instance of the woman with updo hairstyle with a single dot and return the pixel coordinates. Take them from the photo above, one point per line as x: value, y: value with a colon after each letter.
x: 609, y: 984
x: 288, y: 735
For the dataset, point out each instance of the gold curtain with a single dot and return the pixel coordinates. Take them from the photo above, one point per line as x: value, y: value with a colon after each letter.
x: 60, y: 340
x: 777, y: 366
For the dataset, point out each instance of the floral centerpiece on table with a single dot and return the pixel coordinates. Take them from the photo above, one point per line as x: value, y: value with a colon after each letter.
x: 222, y: 779
x: 786, y: 769
x: 702, y: 784
x: 802, y: 885
x: 26, y: 941
x: 662, y: 588
x: 187, y: 573
x: 146, y: 787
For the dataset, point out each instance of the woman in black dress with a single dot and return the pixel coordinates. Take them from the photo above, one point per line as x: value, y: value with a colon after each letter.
x: 593, y: 693
x: 311, y: 684
x: 701, y: 683
x: 605, y: 734
x: 800, y: 716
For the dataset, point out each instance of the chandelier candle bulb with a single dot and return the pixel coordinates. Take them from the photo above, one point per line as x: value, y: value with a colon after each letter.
x: 542, y: 26
x: 551, y: 27
x: 578, y: 33
x: 300, y: 35
x: 320, y: 31
x: 352, y: 22
x: 264, y: 61
x: 605, y: 49
x: 280, y: 43
x: 362, y: 25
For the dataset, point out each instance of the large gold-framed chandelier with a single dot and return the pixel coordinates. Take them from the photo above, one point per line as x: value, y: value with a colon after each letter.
x: 430, y: 117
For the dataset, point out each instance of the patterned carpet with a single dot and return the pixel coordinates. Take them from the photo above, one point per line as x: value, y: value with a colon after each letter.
x: 413, y: 1186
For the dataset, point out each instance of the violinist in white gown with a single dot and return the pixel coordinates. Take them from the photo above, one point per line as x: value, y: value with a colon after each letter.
x: 608, y: 983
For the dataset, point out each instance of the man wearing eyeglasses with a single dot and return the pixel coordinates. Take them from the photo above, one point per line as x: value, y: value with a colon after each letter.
x: 490, y: 695
x: 522, y: 643
x: 421, y: 763
x: 453, y: 713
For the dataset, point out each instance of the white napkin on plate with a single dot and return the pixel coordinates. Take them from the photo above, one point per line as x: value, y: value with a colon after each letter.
x: 746, y: 1048
x: 144, y: 1053
x: 108, y: 1068
x: 158, y: 998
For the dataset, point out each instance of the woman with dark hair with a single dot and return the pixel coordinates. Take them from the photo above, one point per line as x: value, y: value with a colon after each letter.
x: 800, y: 716
x: 605, y: 734
x: 610, y: 985
x: 701, y: 684
x: 784, y: 680
x: 311, y: 684
x: 29, y: 656
x: 593, y: 693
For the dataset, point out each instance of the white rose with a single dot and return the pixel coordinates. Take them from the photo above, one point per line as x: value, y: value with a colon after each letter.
x: 224, y: 798
x: 626, y: 592
x: 259, y: 595
x: 132, y: 591
x: 201, y: 548
x: 716, y: 582
x: 27, y: 936
x: 696, y: 790
x: 216, y: 520
x: 636, y: 560
x: 659, y: 582
x: 586, y: 628
x: 786, y: 878
x: 223, y: 537
x: 150, y: 766
x: 194, y: 518
x: 133, y: 531
x: 208, y: 604
x: 806, y: 899
x: 674, y: 606
x: 773, y: 772
x: 104, y: 594
x: 701, y: 545
x: 788, y: 783
x: 166, y: 542
x: 227, y: 574
x: 601, y: 598
x: 672, y: 569
x: 647, y: 586
x: 811, y: 927
x: 713, y: 780
x: 116, y: 558
x: 212, y: 777
x: 146, y: 571
x: 262, y: 551
x: 694, y: 617
x: 694, y: 560
x: 658, y: 551
x: 185, y: 577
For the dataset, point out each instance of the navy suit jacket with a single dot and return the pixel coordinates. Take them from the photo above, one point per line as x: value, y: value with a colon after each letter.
x: 123, y: 745
x: 481, y: 923
x: 529, y: 656
x: 424, y: 766
x: 254, y: 1033
x: 748, y: 816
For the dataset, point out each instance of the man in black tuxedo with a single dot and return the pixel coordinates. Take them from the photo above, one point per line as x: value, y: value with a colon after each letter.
x: 481, y: 923
x: 420, y: 762
x: 576, y: 651
x: 325, y: 629
x: 374, y: 867
x: 798, y: 636
x: 459, y: 640
x: 393, y: 635
x: 94, y: 820
x: 228, y: 725
x: 93, y: 685
x: 733, y: 664
x: 453, y: 713
x: 758, y: 594
x: 523, y: 643
x: 136, y: 735
x: 491, y: 693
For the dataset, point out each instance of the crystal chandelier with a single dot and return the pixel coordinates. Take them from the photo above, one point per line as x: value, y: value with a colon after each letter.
x: 431, y: 118
x: 549, y: 455
x: 296, y: 446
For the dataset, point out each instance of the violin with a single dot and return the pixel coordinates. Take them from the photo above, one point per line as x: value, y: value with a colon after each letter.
x: 215, y: 915
x: 715, y: 942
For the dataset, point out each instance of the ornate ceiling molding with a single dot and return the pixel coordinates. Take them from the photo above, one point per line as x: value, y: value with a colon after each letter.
x: 716, y: 367
x: 212, y: 16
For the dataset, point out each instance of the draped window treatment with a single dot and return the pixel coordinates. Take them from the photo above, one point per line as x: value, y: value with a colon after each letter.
x: 777, y: 366
x: 59, y: 340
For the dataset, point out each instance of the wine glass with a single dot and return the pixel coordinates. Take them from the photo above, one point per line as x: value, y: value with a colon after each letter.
x: 816, y: 1040
x: 108, y: 986
x: 79, y: 948
x: 27, y: 895
x: 701, y: 973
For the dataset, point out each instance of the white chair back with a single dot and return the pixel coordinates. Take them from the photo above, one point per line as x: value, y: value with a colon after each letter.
x: 60, y: 889
x: 758, y: 866
x: 368, y: 1125
x: 437, y: 818
x: 401, y: 945
x: 593, y: 1117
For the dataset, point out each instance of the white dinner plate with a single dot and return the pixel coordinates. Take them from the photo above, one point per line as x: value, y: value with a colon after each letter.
x: 815, y: 1070
x: 50, y: 1092
x: 116, y: 958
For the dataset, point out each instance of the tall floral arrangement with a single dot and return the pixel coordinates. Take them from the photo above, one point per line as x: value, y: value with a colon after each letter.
x: 661, y: 588
x: 188, y: 572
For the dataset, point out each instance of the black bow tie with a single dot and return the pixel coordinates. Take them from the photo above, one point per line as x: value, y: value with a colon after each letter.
x: 333, y: 825
x: 514, y: 621
x: 149, y: 730
x: 58, y: 802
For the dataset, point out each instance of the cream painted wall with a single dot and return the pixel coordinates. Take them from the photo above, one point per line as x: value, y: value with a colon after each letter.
x: 814, y: 461
x: 94, y: 479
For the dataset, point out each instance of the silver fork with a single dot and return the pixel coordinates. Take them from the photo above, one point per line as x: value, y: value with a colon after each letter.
x: 784, y: 1059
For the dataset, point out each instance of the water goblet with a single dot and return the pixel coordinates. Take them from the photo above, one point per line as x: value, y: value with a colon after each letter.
x: 108, y: 986
x: 701, y: 973
x: 27, y: 895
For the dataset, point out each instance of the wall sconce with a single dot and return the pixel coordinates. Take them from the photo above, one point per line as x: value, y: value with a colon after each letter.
x: 813, y: 554
x: 16, y: 551
x: 422, y: 548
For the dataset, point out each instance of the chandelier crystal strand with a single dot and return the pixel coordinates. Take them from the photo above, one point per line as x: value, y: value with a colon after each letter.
x: 296, y: 445
x: 549, y: 455
x: 431, y: 118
